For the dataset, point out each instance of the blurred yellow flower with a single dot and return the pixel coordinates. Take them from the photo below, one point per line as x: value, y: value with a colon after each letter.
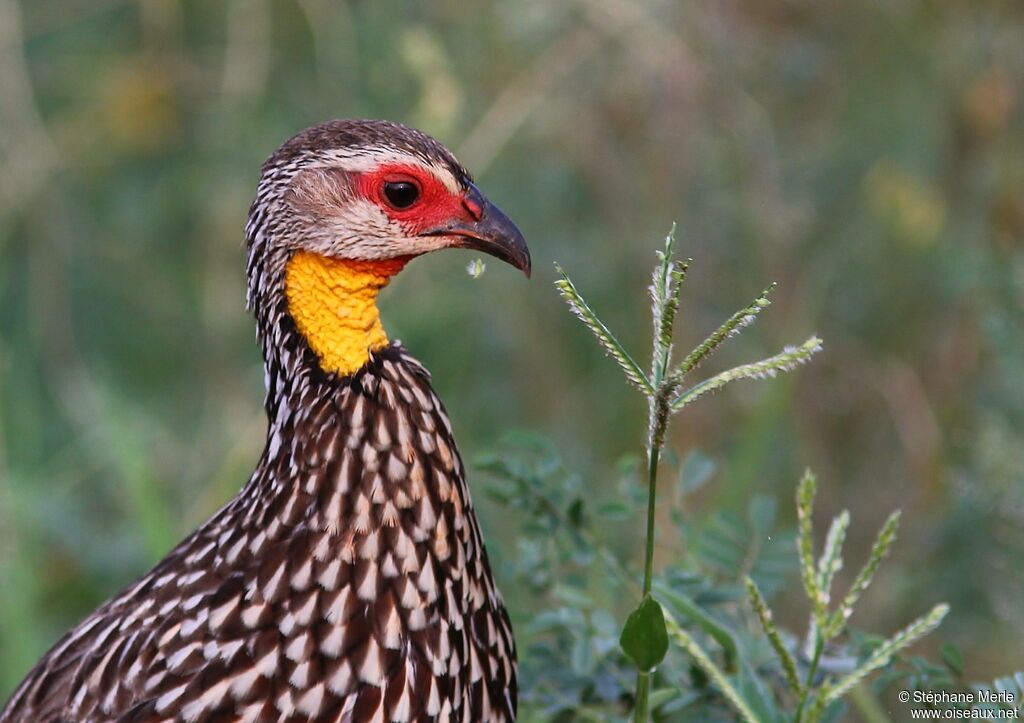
x: 911, y: 205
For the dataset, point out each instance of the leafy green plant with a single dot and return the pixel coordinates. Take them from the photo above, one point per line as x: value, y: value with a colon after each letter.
x: 701, y: 644
x: 814, y: 694
x: 645, y: 634
x: 727, y: 659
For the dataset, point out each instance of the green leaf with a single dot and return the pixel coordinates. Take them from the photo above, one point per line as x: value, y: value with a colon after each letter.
x: 573, y: 596
x: 757, y: 693
x: 574, y: 513
x: 712, y: 672
x: 696, y: 471
x: 644, y: 637
x: 614, y: 510
x: 582, y: 658
x: 761, y: 511
x: 951, y: 657
x: 684, y: 605
x: 661, y: 696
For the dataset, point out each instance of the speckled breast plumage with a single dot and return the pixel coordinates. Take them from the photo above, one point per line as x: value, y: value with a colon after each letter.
x: 347, y: 582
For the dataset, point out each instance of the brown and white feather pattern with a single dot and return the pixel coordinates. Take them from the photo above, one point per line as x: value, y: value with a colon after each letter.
x: 347, y: 582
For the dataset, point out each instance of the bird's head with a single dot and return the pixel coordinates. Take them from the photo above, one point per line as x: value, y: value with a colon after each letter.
x: 340, y: 208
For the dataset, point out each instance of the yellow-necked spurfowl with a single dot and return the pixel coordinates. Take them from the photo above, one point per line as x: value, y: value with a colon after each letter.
x: 348, y: 580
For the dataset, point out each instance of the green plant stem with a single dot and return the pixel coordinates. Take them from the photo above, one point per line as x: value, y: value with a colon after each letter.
x: 643, y: 686
x: 819, y: 645
x: 643, y: 679
x: 652, y: 486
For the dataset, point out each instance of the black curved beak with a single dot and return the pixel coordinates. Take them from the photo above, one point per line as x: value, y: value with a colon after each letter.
x: 490, y: 232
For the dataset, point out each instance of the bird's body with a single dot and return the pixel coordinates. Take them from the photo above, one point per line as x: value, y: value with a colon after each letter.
x: 348, y: 580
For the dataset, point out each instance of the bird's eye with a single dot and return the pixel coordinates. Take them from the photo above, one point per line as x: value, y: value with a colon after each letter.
x: 401, y: 194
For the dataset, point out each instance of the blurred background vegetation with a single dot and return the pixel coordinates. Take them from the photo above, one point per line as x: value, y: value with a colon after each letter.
x: 867, y: 156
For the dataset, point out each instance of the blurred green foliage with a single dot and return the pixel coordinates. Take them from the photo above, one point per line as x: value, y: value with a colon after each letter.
x: 869, y: 157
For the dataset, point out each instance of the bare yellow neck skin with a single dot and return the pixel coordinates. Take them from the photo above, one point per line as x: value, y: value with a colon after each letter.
x: 334, y: 304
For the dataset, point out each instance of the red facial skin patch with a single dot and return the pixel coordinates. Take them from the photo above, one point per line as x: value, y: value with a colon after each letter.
x: 435, y: 206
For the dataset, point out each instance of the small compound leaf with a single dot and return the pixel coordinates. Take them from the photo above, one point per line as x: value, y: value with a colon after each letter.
x: 951, y: 657
x: 697, y: 470
x: 661, y: 696
x: 761, y: 512
x: 614, y: 510
x: 573, y: 596
x: 582, y: 658
x: 759, y: 695
x: 575, y: 512
x: 644, y: 638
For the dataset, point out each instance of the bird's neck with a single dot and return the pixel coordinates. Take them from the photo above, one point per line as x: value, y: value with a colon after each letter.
x: 334, y: 305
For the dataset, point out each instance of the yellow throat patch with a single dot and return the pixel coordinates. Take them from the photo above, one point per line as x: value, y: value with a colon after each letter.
x: 334, y: 304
